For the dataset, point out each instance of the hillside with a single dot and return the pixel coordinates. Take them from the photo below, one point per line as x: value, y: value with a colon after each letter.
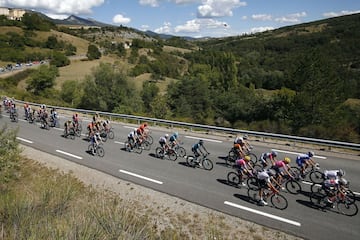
x: 293, y: 80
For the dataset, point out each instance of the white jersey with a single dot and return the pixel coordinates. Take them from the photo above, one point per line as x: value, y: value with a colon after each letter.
x: 331, y: 174
x: 263, y: 175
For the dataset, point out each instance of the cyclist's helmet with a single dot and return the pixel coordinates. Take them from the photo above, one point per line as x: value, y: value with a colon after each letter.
x: 176, y: 134
x: 247, y: 158
x: 201, y: 142
x: 274, y: 153
x: 245, y: 137
x: 341, y: 173
x: 311, y: 154
x: 97, y: 134
x: 166, y: 135
x: 343, y: 182
x: 145, y: 124
x: 135, y: 129
x: 287, y: 160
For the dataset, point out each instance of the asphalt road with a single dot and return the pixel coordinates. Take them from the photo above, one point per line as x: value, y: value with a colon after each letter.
x: 206, y: 188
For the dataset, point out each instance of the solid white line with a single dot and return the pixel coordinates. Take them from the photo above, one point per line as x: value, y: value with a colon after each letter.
x: 69, y: 154
x: 24, y: 140
x: 205, y: 139
x: 118, y: 142
x: 263, y: 214
x: 139, y: 176
x: 295, y: 153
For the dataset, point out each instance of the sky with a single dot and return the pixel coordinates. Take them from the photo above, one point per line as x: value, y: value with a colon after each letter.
x: 194, y: 18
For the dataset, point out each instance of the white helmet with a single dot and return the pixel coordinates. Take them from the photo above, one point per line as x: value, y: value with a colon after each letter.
x: 135, y: 129
x: 166, y: 135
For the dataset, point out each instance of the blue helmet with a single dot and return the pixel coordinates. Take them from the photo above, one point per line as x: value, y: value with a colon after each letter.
x: 201, y: 142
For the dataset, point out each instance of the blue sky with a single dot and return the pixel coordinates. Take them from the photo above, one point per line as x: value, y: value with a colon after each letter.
x: 195, y: 18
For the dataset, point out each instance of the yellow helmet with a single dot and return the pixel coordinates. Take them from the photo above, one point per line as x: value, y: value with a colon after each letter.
x: 247, y: 158
x: 287, y: 160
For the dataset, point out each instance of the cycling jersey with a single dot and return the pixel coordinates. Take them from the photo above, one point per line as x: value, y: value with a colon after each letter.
x: 331, y: 174
x: 301, y: 159
x: 172, y: 138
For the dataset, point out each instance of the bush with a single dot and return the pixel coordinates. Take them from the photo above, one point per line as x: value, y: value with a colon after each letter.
x: 9, y: 155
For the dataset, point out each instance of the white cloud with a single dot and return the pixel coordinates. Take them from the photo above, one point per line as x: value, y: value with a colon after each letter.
x: 291, y: 18
x: 218, y: 8
x: 165, y: 29
x: 260, y: 29
x: 55, y: 6
x: 152, y: 3
x: 262, y: 17
x: 57, y: 16
x: 337, y: 14
x: 197, y: 25
x: 120, y: 19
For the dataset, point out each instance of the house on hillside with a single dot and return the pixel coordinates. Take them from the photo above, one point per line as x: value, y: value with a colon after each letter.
x: 12, y: 13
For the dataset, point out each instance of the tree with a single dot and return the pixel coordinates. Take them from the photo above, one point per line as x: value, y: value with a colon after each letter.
x: 148, y: 93
x: 42, y: 79
x: 93, y: 52
x: 59, y: 59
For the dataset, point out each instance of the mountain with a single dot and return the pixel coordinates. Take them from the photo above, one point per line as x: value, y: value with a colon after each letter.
x: 75, y: 20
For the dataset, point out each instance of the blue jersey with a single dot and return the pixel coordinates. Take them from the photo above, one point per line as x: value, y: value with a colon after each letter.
x: 172, y: 138
x: 301, y: 159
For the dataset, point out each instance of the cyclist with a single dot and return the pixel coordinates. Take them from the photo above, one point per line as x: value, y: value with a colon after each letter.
x: 264, y: 182
x: 106, y: 125
x: 196, y: 149
x: 281, y: 168
x: 268, y: 155
x: 95, y: 140
x: 43, y: 117
x: 239, y: 150
x: 173, y: 139
x: 334, y: 174
x: 132, y: 138
x: 54, y: 116
x: 243, y: 167
x: 91, y: 127
x: 163, y: 142
x: 68, y: 125
x: 305, y: 160
x: 75, y: 119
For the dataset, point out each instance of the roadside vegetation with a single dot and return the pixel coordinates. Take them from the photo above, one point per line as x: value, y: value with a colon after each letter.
x: 301, y: 80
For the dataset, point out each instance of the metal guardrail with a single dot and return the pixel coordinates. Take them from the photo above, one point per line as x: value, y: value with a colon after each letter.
x: 191, y: 126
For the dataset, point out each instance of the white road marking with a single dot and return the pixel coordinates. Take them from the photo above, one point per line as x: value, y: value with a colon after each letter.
x: 118, y: 142
x: 69, y: 154
x: 24, y: 140
x: 263, y: 214
x: 295, y: 153
x: 205, y: 139
x: 140, y: 176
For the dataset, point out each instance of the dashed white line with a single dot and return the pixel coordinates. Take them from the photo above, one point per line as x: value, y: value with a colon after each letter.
x: 295, y: 153
x: 205, y: 139
x: 24, y: 140
x: 68, y: 154
x: 263, y: 214
x: 140, y: 176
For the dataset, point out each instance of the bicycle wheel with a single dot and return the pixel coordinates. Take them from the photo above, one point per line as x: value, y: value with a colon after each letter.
x: 231, y: 157
x: 293, y: 187
x: 279, y: 201
x: 347, y: 209
x: 253, y: 194
x: 172, y: 155
x: 181, y: 152
x: 159, y: 152
x: 190, y: 160
x: 90, y: 148
x: 233, y: 178
x: 207, y: 164
x: 137, y: 148
x: 100, y: 151
x: 315, y: 187
x: 295, y: 171
x: 146, y: 145
x: 252, y: 183
x: 149, y: 139
x: 111, y: 134
x: 318, y: 198
x: 127, y: 146
x: 350, y: 196
x: 316, y: 176
x: 253, y: 157
x: 78, y: 132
